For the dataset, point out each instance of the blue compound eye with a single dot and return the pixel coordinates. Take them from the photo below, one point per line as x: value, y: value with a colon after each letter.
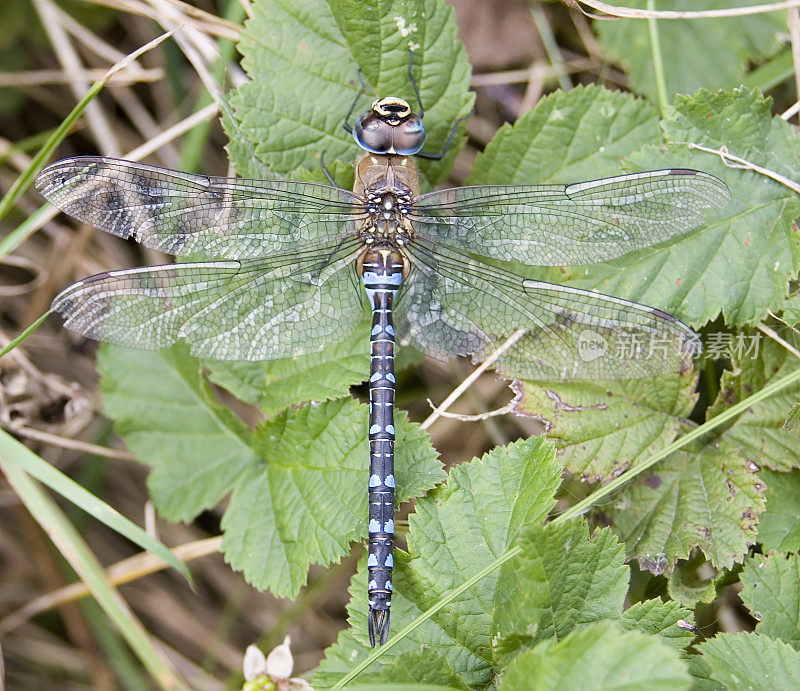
x: 409, y: 136
x: 373, y: 133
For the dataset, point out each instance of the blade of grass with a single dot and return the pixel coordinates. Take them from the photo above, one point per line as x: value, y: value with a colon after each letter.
x: 20, y: 456
x: 24, y: 181
x: 772, y: 72
x: 658, y: 60
x: 19, y: 339
x: 579, y: 508
x: 73, y: 548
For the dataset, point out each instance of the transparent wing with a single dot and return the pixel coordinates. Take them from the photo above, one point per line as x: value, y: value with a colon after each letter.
x: 254, y: 309
x: 456, y: 305
x: 184, y: 214
x: 583, y: 223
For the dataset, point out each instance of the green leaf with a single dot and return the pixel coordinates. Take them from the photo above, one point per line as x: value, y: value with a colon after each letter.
x: 710, y: 53
x: 740, y: 263
x: 276, y: 384
x: 303, y: 58
x: 565, y: 580
x: 425, y: 666
x: 662, y: 619
x: 690, y: 582
x: 601, y: 429
x: 163, y: 409
x: 305, y: 500
x: 759, y: 431
x: 455, y: 531
x: 771, y: 591
x: 750, y: 660
x: 297, y: 482
x: 792, y: 422
x: 701, y: 675
x: 709, y: 498
x: 791, y: 309
x: 598, y: 657
x: 779, y: 525
x: 567, y: 137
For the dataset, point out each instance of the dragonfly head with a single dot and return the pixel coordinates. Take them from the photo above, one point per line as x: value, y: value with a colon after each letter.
x: 390, y: 127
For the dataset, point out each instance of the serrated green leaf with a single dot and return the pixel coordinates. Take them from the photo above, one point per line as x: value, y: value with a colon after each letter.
x: 303, y: 57
x: 771, y: 591
x: 598, y: 657
x: 660, y: 618
x: 752, y: 661
x: 779, y: 525
x: 162, y: 408
x: 567, y: 137
x: 710, y: 53
x: 564, y: 579
x: 759, y: 431
x: 709, y: 498
x: 297, y: 482
x: 425, y: 666
x: 304, y: 501
x: 455, y: 531
x: 740, y: 263
x: 601, y: 429
x: 276, y: 384
x: 701, y: 675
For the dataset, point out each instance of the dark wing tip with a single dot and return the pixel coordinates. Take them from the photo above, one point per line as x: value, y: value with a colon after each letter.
x: 62, y: 171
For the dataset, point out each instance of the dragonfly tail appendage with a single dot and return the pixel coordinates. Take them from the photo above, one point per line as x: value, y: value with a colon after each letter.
x: 378, y: 626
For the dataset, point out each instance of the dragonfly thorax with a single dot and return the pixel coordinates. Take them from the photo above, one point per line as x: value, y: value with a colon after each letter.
x: 387, y: 186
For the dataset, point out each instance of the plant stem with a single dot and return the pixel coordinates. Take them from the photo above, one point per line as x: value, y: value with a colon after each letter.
x: 658, y: 61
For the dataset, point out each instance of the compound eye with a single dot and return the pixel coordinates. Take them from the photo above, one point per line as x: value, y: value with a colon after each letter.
x: 409, y: 136
x: 372, y: 133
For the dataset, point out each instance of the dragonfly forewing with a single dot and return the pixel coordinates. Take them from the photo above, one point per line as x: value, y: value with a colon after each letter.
x: 582, y: 223
x: 457, y: 305
x: 184, y: 214
x: 253, y: 309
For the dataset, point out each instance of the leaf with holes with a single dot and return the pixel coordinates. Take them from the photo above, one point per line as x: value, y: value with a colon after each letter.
x: 779, y: 525
x: 759, y: 431
x: 600, y: 429
x: 707, y: 497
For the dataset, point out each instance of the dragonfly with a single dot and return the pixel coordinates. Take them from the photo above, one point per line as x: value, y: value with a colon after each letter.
x: 288, y: 258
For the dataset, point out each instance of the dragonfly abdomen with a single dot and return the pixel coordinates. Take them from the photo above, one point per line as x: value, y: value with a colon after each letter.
x: 381, y: 272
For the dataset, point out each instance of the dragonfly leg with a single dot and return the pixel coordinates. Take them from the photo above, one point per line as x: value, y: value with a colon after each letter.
x: 414, y: 82
x: 325, y: 170
x: 441, y: 154
x: 347, y: 126
x: 422, y: 154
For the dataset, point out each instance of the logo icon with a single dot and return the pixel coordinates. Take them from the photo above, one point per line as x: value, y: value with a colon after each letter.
x: 591, y: 345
